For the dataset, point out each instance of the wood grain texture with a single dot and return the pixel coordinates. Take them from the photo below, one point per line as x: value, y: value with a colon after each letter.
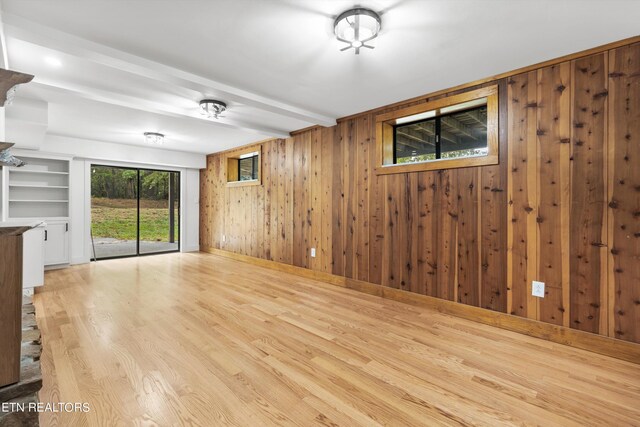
x: 560, y: 207
x: 199, y: 339
x: 523, y: 195
x: 600, y: 344
x: 10, y: 304
x: 588, y: 245
x: 9, y: 79
x: 624, y: 204
x: 553, y: 131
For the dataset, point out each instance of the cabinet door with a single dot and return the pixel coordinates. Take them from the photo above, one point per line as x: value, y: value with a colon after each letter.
x: 33, y: 258
x: 56, y: 244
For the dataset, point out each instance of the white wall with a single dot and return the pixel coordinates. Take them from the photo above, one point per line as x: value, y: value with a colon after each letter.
x: 26, y: 122
x: 190, y: 227
x: 85, y: 153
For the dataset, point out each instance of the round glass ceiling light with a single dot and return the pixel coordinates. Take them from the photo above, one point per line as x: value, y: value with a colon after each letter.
x: 356, y: 27
x: 212, y: 108
x: 154, y: 138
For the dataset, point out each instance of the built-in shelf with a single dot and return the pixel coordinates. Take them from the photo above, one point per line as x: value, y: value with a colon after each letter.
x: 40, y: 189
x: 38, y: 201
x: 37, y: 186
x: 38, y: 172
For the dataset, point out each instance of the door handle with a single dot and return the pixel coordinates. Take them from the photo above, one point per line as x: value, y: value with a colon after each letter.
x: 45, y: 235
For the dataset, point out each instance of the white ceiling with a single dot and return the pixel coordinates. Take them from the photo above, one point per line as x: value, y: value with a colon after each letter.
x: 127, y: 67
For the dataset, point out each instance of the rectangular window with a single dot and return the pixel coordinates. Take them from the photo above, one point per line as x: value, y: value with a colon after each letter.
x: 455, y: 135
x: 456, y: 131
x: 243, y: 166
x: 248, y: 168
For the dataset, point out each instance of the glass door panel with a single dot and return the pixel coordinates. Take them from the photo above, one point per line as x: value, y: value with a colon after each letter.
x: 134, y: 211
x: 159, y: 209
x: 114, y: 211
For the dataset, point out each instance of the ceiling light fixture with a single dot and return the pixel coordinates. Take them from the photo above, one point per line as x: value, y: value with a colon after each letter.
x: 154, y: 138
x: 212, y: 108
x: 356, y: 27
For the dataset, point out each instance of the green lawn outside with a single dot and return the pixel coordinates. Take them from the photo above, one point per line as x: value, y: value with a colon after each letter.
x: 117, y: 219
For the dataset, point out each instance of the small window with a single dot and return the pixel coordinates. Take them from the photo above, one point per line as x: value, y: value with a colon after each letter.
x: 243, y: 167
x: 451, y: 132
x: 248, y: 167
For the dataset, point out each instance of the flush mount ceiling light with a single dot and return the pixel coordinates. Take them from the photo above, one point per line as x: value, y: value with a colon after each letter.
x: 212, y: 108
x: 356, y: 27
x: 154, y: 138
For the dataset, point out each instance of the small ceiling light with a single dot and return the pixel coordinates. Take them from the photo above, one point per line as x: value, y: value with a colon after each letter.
x: 355, y: 27
x: 212, y: 108
x: 154, y: 138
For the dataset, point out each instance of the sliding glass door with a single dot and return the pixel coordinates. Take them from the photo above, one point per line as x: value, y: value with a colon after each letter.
x: 134, y: 211
x: 159, y: 231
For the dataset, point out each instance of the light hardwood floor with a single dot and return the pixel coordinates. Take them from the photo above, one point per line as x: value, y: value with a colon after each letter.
x: 196, y: 339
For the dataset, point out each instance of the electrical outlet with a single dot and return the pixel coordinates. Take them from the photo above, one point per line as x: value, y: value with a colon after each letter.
x: 537, y: 289
x: 313, y: 252
x: 224, y: 238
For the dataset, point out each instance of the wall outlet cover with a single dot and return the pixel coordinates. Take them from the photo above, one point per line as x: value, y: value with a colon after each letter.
x: 537, y: 289
x: 313, y: 252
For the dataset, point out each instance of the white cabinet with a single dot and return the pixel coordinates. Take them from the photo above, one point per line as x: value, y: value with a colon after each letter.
x: 56, y: 243
x: 33, y: 257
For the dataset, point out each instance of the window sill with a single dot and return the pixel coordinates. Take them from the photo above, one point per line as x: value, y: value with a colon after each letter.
x: 433, y: 165
x: 247, y: 183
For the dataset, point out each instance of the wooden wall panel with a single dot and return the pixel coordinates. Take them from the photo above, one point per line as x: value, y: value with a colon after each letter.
x: 205, y: 207
x: 326, y: 202
x: 493, y: 220
x: 270, y: 180
x: 427, y: 233
x: 315, y: 198
x: 554, y: 132
x: 301, y: 198
x: 376, y: 220
x: 447, y: 235
x: 392, y: 257
x: 337, y: 180
x: 408, y: 225
x: 562, y: 207
x: 361, y: 226
x: 588, y: 236
x: 349, y: 207
x: 468, y: 239
x: 267, y: 206
x: 624, y: 203
x: 523, y: 195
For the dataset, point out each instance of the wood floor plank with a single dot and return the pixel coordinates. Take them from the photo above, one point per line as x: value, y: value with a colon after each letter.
x: 198, y: 339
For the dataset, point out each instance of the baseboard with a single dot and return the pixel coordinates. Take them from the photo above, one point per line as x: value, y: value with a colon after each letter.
x: 600, y: 344
x: 80, y: 260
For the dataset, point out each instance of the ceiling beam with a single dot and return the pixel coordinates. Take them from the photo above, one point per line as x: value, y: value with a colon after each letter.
x: 135, y: 103
x: 29, y: 31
